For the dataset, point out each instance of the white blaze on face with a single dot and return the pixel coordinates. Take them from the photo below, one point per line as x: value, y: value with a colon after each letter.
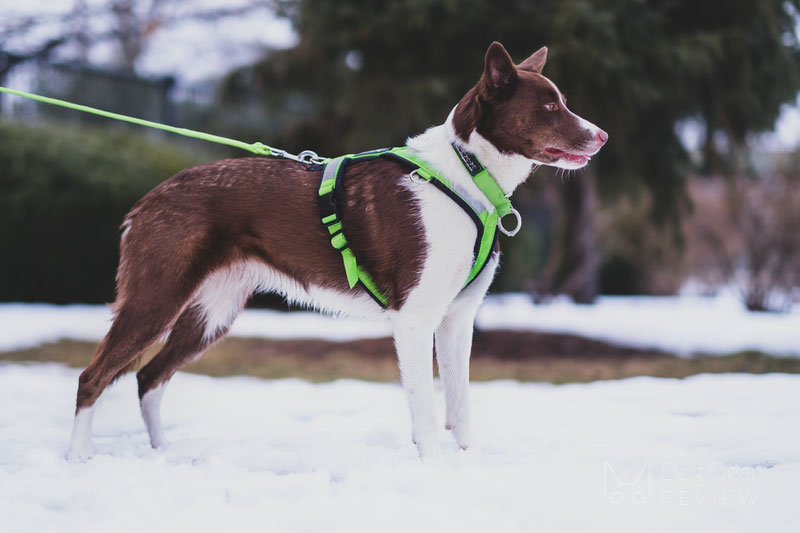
x: 593, y: 130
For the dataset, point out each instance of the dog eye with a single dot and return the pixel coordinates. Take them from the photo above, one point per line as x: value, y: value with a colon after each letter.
x: 550, y: 107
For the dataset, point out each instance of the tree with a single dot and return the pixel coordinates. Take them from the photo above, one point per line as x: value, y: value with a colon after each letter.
x: 369, y: 74
x: 127, y: 24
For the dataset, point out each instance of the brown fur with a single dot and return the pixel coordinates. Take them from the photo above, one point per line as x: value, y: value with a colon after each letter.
x: 506, y: 107
x: 185, y: 342
x: 207, y: 218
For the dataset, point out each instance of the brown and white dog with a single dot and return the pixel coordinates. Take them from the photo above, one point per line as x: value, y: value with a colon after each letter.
x: 196, y: 247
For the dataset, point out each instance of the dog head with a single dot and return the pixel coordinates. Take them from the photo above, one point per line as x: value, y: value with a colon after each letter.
x: 522, y: 112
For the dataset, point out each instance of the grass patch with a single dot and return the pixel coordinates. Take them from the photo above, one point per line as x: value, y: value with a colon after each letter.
x: 522, y: 356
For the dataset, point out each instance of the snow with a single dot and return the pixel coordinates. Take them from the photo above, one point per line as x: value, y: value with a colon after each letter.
x: 707, y: 453
x: 684, y: 325
x: 27, y: 325
x: 786, y: 135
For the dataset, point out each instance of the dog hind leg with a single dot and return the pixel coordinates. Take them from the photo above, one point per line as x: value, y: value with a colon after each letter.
x: 219, y: 300
x: 133, y: 330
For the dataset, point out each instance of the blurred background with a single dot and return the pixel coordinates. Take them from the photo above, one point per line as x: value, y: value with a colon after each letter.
x: 695, y: 195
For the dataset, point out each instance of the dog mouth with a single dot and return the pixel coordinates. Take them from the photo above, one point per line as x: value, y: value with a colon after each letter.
x: 579, y: 159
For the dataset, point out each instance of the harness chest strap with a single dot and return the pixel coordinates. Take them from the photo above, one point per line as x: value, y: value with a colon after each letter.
x: 486, y: 221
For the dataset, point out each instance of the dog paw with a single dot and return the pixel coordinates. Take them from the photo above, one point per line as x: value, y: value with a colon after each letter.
x: 429, y: 452
x: 158, y: 441
x: 463, y: 436
x: 79, y: 453
x: 428, y: 446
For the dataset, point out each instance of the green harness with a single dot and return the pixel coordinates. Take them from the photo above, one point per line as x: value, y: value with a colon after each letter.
x: 487, y: 222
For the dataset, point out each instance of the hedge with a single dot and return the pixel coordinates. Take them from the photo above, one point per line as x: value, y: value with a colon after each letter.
x: 65, y: 190
x: 63, y: 194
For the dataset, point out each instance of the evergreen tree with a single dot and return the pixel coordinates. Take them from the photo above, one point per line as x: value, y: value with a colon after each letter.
x: 366, y: 74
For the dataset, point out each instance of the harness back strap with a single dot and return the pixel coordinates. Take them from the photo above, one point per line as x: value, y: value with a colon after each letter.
x: 485, y: 220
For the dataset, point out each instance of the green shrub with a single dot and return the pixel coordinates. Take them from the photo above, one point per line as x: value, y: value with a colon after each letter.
x: 63, y: 194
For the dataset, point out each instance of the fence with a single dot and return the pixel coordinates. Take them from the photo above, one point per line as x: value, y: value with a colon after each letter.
x: 158, y: 99
x: 120, y: 92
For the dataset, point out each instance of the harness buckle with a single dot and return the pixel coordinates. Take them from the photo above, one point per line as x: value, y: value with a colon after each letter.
x: 516, y: 229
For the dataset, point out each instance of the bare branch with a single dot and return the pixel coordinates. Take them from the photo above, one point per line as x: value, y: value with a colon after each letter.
x: 130, y: 29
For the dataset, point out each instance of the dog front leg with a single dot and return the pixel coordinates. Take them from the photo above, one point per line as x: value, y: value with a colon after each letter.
x: 414, y: 343
x: 453, y: 346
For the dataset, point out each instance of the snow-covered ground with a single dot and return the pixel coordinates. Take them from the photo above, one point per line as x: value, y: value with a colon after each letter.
x: 707, y: 453
x: 683, y: 324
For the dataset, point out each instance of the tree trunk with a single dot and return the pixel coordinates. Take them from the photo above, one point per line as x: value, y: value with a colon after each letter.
x: 581, y: 260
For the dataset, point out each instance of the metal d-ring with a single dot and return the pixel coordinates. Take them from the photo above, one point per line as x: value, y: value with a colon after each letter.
x: 415, y: 177
x: 514, y: 231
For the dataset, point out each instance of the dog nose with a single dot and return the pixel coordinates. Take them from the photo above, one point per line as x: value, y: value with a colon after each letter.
x: 603, y: 136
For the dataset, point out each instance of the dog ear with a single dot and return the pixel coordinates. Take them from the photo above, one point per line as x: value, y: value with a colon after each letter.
x: 535, y: 63
x: 499, y: 74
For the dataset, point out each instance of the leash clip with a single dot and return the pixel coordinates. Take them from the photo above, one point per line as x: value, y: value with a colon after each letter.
x: 311, y: 157
x: 516, y: 229
x: 307, y: 157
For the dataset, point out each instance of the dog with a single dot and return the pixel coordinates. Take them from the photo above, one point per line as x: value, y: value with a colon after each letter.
x: 196, y: 247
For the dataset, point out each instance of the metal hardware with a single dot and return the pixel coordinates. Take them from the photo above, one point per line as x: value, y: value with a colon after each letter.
x: 415, y: 177
x: 311, y: 157
x: 514, y: 231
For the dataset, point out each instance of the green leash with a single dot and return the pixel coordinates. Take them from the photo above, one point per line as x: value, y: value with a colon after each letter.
x: 487, y: 222
x: 257, y: 148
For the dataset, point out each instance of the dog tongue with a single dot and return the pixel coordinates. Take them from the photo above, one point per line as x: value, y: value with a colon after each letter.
x: 575, y: 158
